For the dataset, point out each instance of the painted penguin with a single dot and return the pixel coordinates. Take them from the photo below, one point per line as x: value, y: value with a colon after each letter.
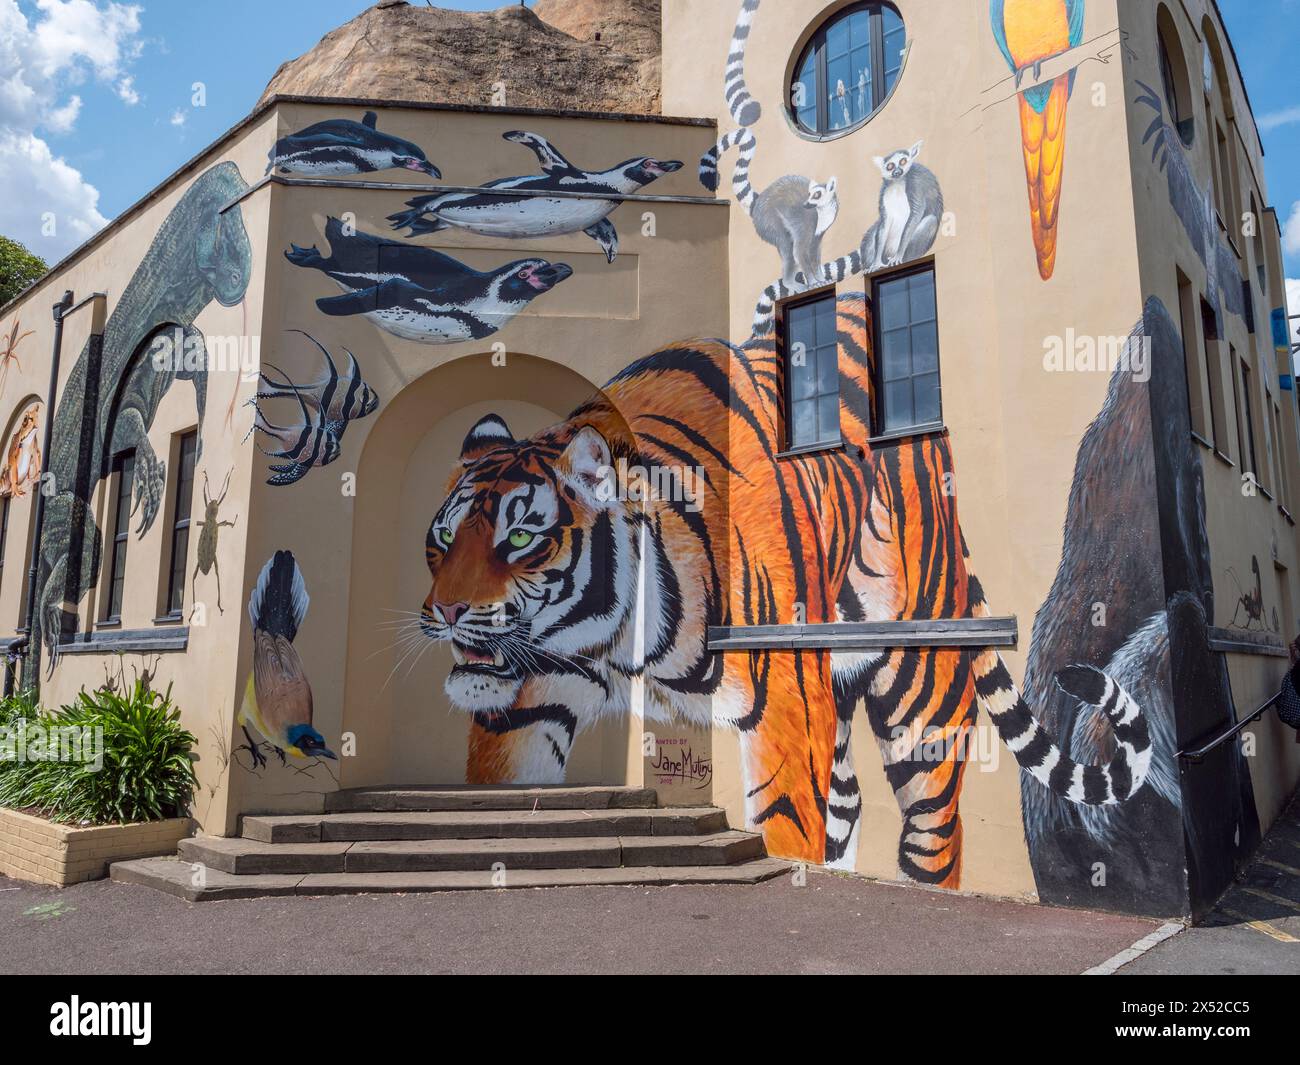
x: 515, y: 217
x: 340, y: 147
x: 420, y: 294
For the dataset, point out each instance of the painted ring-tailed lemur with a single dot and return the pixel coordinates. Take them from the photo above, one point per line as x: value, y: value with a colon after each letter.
x: 911, y: 210
x: 794, y: 212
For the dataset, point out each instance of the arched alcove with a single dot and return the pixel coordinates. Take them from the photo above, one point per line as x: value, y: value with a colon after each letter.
x: 21, y: 456
x: 406, y: 730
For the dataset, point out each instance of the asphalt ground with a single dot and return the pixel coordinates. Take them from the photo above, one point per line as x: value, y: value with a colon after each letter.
x: 834, y: 924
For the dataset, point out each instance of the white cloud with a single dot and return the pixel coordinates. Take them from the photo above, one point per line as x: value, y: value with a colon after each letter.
x: 64, y: 44
x: 44, y: 187
x: 126, y: 91
x: 178, y: 117
x: 1286, y: 117
x: 1291, y: 231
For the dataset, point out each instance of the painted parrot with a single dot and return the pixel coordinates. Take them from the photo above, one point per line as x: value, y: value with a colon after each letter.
x: 1030, y: 32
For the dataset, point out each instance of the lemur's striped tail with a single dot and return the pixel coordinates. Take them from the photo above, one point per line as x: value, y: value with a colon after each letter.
x: 832, y: 273
x: 1037, y: 752
x: 744, y: 108
x: 709, y: 176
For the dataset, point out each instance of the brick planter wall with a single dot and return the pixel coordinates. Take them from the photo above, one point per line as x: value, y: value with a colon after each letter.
x: 32, y: 848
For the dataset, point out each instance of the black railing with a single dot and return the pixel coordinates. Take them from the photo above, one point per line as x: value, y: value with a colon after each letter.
x: 1198, y: 754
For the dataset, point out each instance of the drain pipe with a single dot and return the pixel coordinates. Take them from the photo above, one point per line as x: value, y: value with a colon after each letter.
x: 30, y: 646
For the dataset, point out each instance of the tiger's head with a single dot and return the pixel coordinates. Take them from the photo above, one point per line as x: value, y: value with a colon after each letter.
x: 531, y: 557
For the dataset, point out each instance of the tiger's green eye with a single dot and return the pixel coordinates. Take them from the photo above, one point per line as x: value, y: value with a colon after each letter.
x: 521, y: 538
x: 446, y: 536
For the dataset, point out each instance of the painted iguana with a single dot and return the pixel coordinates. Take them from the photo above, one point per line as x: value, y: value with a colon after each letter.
x: 199, y: 255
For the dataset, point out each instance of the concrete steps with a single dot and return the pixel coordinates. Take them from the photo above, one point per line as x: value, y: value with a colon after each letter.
x: 469, y: 798
x: 410, y: 839
x: 481, y: 824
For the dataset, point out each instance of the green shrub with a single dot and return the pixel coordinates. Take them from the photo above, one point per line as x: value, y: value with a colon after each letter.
x: 15, y: 708
x: 147, y: 771
x: 19, y: 268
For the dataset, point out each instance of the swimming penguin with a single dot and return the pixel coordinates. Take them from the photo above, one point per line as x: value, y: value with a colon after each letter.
x: 493, y: 215
x: 420, y: 294
x: 340, y: 147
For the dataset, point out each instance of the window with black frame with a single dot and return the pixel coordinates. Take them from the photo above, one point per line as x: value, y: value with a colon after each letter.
x: 181, y: 523
x: 124, y: 471
x: 848, y: 69
x: 810, y: 340
x: 907, y: 345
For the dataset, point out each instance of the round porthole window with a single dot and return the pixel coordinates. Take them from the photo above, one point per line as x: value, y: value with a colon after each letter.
x: 848, y: 69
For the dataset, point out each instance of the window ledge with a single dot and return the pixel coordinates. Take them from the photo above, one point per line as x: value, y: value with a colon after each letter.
x: 810, y: 449
x: 109, y: 623
x: 866, y: 635
x: 169, y: 619
x: 1208, y: 445
x: 1224, y: 458
x: 933, y: 429
x: 126, y: 641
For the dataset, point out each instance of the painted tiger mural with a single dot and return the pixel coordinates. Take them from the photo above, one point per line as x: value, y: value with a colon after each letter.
x: 566, y: 597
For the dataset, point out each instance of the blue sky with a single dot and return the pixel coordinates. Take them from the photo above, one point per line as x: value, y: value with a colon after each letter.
x: 130, y: 68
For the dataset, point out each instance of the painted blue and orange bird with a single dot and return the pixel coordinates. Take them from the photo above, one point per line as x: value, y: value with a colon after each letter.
x: 277, y: 699
x: 1030, y: 32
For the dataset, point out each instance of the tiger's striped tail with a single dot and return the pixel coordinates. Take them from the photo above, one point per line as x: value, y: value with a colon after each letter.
x: 1036, y: 751
x: 832, y: 273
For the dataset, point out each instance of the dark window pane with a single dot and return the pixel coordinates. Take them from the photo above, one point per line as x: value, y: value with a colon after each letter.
x: 828, y: 371
x: 925, y: 348
x: 925, y: 392
x: 896, y: 357
x: 894, y: 306
x: 180, y: 550
x: 843, y: 68
x: 180, y: 526
x: 908, y: 388
x: 125, y: 465
x: 803, y: 95
x: 803, y: 423
x: 898, y: 405
x: 828, y: 418
x: 812, y: 373
x: 895, y: 45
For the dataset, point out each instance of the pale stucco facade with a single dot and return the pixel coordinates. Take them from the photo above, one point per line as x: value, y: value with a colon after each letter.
x: 689, y: 263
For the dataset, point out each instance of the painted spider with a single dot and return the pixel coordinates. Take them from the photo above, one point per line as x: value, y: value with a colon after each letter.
x: 9, y: 353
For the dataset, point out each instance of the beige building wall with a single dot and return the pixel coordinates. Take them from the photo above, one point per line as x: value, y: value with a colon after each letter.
x: 996, y: 314
x: 1249, y: 521
x: 1022, y: 429
x: 201, y: 678
x: 357, y: 527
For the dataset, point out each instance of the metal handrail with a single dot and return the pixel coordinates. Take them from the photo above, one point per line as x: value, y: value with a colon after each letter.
x: 1198, y: 755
